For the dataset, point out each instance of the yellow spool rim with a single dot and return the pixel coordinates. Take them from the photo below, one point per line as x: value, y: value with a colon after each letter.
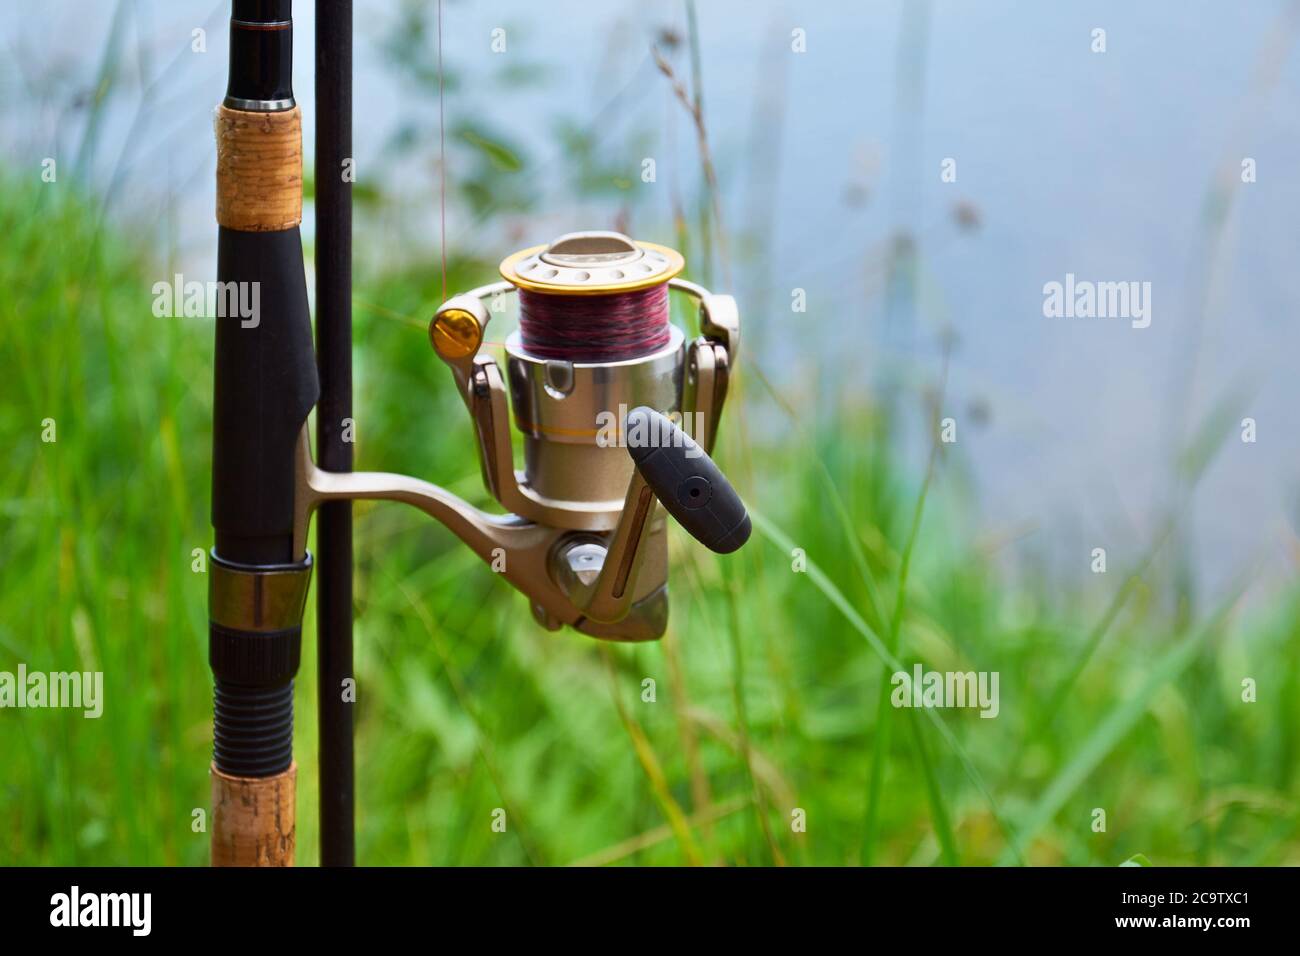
x: 508, y: 272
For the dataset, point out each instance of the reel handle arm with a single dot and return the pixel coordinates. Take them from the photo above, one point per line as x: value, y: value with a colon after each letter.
x: 676, y: 471
x: 607, y: 596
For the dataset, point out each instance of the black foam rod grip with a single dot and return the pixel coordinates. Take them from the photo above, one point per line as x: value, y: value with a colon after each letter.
x: 264, y: 386
x: 687, y: 481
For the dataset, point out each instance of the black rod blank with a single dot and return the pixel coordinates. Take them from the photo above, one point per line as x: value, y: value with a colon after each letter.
x: 334, y: 358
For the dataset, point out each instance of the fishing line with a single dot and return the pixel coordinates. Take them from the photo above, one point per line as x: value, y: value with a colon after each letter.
x: 442, y: 160
x: 594, y: 328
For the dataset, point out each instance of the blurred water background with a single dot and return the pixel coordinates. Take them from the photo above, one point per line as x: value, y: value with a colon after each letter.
x: 1114, y: 166
x: 1133, y: 691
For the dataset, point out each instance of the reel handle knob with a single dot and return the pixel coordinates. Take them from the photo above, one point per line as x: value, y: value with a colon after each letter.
x: 686, y: 481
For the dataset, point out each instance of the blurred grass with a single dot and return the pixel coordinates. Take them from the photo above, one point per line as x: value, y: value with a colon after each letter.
x: 765, y: 690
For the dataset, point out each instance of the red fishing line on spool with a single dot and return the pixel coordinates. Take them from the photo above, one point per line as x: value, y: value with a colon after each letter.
x: 594, y: 328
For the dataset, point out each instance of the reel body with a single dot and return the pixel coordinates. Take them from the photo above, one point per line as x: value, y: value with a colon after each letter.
x: 583, y: 538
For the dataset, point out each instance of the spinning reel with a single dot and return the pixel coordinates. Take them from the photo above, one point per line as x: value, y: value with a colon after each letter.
x: 584, y: 540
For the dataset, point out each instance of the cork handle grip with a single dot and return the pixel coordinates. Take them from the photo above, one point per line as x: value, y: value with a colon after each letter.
x: 259, y: 169
x: 254, y: 819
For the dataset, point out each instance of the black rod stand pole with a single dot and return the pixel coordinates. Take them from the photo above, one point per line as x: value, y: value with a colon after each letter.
x: 334, y: 357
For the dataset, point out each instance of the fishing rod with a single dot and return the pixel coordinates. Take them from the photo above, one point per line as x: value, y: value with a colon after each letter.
x: 265, y: 383
x: 617, y: 407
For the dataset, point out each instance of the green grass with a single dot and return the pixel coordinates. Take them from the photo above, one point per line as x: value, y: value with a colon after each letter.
x: 767, y: 684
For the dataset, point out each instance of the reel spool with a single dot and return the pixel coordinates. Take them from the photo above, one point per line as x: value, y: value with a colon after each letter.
x: 593, y: 297
x: 597, y: 379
